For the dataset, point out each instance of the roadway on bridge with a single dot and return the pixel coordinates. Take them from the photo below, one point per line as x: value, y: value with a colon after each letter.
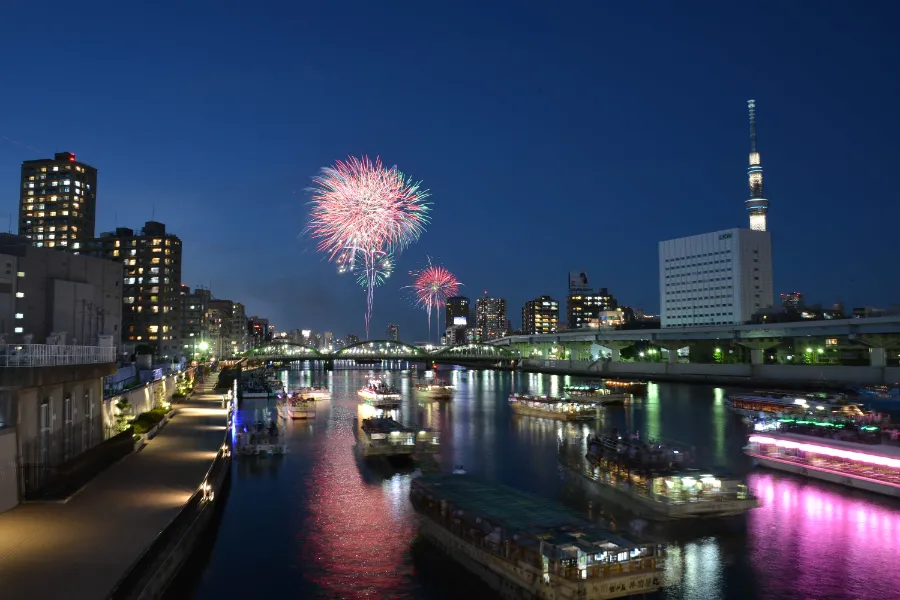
x: 80, y: 549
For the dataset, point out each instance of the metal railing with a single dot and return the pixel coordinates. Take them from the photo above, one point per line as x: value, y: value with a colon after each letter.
x: 46, y: 355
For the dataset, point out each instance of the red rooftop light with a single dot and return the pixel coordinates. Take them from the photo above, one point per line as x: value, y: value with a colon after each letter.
x: 72, y: 158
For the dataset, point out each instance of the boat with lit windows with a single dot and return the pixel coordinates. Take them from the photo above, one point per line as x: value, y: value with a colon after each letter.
x: 314, y: 392
x: 437, y: 390
x: 564, y: 409
x: 778, y: 403
x: 384, y: 436
x: 865, y: 457
x: 628, y: 385
x: 297, y: 407
x: 378, y: 392
x: 601, y: 395
x: 525, y: 546
x: 654, y: 479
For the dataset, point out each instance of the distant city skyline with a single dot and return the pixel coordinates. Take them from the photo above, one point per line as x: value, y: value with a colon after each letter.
x: 542, y: 154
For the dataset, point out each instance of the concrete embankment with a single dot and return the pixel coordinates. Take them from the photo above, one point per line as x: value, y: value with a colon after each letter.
x: 721, y: 374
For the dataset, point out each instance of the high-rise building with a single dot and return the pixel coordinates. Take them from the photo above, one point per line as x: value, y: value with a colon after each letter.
x: 151, y: 292
x: 792, y: 301
x: 56, y: 298
x: 719, y: 278
x: 194, y: 320
x: 58, y: 201
x: 490, y: 317
x: 228, y: 328
x: 258, y: 331
x: 540, y: 315
x: 393, y: 332
x: 584, y: 307
x: 458, y: 320
x: 757, y: 205
x: 351, y: 339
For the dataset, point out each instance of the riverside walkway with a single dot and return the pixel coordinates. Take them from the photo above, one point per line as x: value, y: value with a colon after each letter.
x: 79, y: 550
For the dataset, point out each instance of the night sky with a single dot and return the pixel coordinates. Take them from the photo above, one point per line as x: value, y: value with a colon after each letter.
x: 553, y: 136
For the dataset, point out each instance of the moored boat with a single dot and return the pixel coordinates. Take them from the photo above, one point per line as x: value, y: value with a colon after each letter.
x: 564, y: 409
x: 866, y: 457
x: 297, y: 408
x: 378, y: 392
x: 437, y: 390
x: 316, y: 392
x: 384, y: 436
x: 653, y: 479
x: 524, y: 546
x: 628, y: 385
x: 601, y: 395
x: 778, y: 403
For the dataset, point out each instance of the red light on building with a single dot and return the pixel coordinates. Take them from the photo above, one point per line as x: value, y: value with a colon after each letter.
x: 72, y: 158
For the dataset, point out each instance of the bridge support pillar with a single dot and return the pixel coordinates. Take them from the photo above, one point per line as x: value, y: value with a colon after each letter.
x: 879, y: 345
x: 758, y: 348
x: 615, y: 348
x: 672, y: 348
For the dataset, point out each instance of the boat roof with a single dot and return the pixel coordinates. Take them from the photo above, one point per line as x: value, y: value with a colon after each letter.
x: 886, y: 450
x: 527, y: 513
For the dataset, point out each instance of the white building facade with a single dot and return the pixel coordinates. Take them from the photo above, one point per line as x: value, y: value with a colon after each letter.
x: 718, y: 278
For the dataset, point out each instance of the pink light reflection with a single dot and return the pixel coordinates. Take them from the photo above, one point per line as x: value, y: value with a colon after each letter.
x: 826, y: 451
x: 823, y: 544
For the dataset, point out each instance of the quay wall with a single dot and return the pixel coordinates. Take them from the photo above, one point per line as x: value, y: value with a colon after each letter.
x: 150, y: 576
x: 721, y: 374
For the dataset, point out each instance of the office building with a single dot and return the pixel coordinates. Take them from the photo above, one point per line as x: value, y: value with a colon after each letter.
x: 757, y: 206
x: 227, y: 328
x: 792, y: 301
x: 458, y: 320
x: 393, y: 332
x: 719, y: 278
x: 152, y: 290
x: 194, y: 320
x: 57, y: 298
x: 258, y: 331
x: 58, y: 202
x: 490, y: 317
x: 351, y: 339
x: 540, y: 315
x: 584, y: 307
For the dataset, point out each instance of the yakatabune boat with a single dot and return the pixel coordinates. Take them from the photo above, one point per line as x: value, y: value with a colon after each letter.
x: 652, y: 479
x: 437, y: 390
x: 866, y: 457
x: 563, y: 409
x: 526, y: 547
x: 378, y: 392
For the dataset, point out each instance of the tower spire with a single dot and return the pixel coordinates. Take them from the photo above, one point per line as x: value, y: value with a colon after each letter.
x: 756, y: 205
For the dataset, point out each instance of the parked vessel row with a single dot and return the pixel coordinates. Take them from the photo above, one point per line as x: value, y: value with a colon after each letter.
x: 553, y: 408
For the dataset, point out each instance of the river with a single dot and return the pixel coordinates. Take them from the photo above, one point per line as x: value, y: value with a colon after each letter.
x: 319, y: 524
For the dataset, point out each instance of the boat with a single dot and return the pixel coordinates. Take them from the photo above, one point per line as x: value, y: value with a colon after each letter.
x: 525, y: 546
x: 384, y: 436
x: 316, y: 392
x: 601, y: 395
x: 653, y: 479
x: 549, y: 407
x: 883, y: 395
x: 437, y: 390
x: 630, y: 385
x: 864, y: 457
x: 254, y: 392
x: 297, y: 407
x: 777, y: 403
x: 378, y: 392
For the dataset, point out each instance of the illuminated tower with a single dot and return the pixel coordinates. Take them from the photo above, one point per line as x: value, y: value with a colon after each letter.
x: 757, y: 205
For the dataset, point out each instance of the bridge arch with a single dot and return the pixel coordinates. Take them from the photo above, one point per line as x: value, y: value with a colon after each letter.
x: 284, y: 349
x: 381, y: 348
x: 476, y: 350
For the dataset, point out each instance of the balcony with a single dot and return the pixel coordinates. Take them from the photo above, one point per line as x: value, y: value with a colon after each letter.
x: 45, y: 355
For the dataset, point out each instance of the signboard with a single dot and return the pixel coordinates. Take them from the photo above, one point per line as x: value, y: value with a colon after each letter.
x: 306, y: 332
x: 578, y: 280
x: 457, y: 321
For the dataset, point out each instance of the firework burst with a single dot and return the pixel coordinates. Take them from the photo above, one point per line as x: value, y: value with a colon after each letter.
x: 362, y: 215
x: 432, y: 286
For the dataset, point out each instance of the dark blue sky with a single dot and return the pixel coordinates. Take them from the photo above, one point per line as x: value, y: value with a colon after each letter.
x: 553, y: 136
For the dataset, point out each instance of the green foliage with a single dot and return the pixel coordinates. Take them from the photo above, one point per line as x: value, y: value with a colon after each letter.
x: 159, y: 396
x: 122, y: 415
x: 146, y: 421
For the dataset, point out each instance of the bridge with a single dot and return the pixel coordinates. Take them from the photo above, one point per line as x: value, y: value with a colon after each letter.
x: 874, y: 337
x: 387, y: 350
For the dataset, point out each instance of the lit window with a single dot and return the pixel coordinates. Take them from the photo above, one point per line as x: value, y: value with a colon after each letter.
x: 154, y: 328
x: 18, y: 330
x: 20, y: 294
x: 20, y: 274
x: 20, y: 316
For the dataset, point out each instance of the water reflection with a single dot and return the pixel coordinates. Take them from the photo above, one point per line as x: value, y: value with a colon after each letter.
x: 331, y: 525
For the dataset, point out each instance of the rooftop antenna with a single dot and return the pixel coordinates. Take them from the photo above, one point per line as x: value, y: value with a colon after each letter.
x: 9, y: 229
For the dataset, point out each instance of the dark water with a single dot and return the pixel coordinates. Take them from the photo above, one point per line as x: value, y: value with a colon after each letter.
x: 318, y: 523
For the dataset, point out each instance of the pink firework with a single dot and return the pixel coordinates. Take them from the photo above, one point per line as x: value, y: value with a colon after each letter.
x: 432, y: 286
x: 362, y: 211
